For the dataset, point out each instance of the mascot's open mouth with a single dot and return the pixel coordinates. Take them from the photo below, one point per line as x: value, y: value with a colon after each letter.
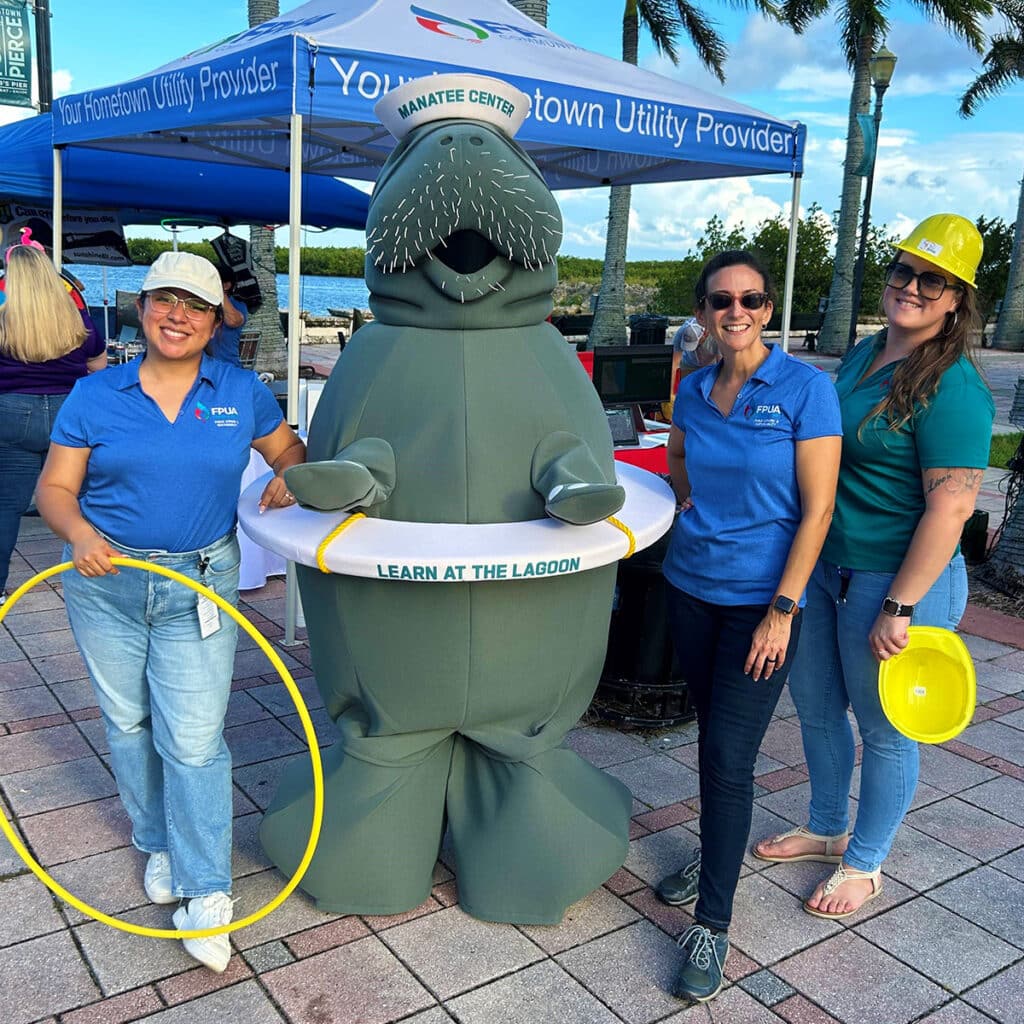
x: 465, y: 251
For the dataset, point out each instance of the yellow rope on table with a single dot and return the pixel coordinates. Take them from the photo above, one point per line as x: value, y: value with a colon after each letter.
x: 321, y: 551
x: 307, y: 728
x: 620, y: 525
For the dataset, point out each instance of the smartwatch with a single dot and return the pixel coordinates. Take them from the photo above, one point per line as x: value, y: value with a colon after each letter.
x: 892, y: 607
x: 784, y: 605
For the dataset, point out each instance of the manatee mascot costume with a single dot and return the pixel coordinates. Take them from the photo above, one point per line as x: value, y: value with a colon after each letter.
x: 458, y: 405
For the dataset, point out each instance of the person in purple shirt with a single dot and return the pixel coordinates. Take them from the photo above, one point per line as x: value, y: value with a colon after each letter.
x: 45, y: 346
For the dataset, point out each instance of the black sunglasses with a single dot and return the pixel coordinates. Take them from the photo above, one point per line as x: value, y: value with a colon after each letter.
x: 929, y: 284
x: 723, y: 300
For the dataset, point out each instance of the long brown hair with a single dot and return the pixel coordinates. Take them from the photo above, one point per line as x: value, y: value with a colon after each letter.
x: 38, y: 320
x: 916, y: 379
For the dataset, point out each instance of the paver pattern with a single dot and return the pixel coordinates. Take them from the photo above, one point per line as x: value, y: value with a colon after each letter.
x: 944, y: 944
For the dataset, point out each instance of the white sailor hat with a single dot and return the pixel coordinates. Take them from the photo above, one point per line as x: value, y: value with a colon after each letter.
x: 435, y: 97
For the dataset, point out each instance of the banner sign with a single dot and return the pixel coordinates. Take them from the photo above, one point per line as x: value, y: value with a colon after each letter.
x: 867, y: 131
x: 15, y: 55
x: 90, y: 236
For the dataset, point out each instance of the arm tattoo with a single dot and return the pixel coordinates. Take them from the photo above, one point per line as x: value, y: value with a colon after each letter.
x: 954, y: 481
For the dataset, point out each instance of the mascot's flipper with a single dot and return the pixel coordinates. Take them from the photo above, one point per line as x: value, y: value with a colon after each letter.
x: 382, y: 825
x: 531, y: 837
x: 574, y: 489
x: 361, y: 475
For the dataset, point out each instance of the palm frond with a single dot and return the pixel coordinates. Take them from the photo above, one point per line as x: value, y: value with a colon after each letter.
x: 961, y: 18
x: 798, y: 14
x: 709, y: 45
x: 661, y: 21
x: 1004, y: 64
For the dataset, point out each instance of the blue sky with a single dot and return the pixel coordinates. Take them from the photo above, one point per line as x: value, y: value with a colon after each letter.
x: 929, y: 158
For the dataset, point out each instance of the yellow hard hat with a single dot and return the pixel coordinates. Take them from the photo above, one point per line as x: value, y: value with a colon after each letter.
x: 928, y: 690
x: 949, y: 241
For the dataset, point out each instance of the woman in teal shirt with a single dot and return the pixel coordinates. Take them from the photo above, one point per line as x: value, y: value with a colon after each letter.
x: 917, y: 425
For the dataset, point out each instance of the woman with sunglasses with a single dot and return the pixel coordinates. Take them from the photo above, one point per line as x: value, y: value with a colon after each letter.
x: 146, y: 461
x: 917, y: 425
x: 753, y: 453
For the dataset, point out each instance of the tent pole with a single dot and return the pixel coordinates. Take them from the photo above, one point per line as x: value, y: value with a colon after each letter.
x: 794, y: 227
x: 291, y: 593
x: 58, y: 207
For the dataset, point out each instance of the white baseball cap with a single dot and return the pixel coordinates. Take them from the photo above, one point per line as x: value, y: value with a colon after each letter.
x: 187, y: 271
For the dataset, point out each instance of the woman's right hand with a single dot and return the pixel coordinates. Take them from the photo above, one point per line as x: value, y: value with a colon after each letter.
x: 91, y: 556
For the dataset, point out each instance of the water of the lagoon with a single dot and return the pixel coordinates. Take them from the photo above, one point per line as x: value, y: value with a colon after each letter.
x: 316, y: 294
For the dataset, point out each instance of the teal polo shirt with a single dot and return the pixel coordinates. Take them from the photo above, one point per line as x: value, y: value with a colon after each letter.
x: 153, y: 484
x: 881, y: 497
x: 732, y: 546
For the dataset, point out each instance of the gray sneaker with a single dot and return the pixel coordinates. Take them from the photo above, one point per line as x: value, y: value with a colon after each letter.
x: 700, y: 977
x: 207, y: 912
x: 157, y: 879
x: 680, y: 889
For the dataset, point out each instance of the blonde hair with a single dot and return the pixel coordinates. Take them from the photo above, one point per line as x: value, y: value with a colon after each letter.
x: 917, y: 378
x: 39, y: 321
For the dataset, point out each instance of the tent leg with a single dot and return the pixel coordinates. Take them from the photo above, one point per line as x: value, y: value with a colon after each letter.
x: 794, y: 227
x: 58, y: 207
x: 291, y: 594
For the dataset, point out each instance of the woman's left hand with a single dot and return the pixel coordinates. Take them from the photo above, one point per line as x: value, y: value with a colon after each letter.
x: 888, y: 635
x: 768, y: 645
x: 276, y: 494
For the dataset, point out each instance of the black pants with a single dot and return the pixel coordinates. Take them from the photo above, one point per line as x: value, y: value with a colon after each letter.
x: 712, y: 642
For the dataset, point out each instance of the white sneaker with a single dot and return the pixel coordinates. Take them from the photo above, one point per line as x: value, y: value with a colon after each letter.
x: 157, y: 879
x: 207, y: 912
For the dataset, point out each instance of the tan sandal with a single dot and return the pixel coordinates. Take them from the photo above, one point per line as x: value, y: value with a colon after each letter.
x: 845, y: 874
x: 802, y: 832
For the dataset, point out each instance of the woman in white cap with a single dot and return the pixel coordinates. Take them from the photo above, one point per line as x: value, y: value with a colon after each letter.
x: 146, y: 461
x: 917, y: 425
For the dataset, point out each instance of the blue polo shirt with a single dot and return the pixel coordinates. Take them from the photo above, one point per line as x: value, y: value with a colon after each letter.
x: 731, y: 547
x: 155, y: 484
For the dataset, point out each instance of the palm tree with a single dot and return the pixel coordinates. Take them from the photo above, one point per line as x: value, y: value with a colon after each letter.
x: 663, y: 19
x: 863, y: 25
x: 1004, y: 64
x: 273, y: 353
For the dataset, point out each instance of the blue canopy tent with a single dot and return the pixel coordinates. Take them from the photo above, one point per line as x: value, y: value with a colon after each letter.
x: 298, y: 92
x: 149, y: 189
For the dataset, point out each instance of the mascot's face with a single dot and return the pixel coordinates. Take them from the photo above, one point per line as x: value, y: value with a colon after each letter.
x: 462, y: 208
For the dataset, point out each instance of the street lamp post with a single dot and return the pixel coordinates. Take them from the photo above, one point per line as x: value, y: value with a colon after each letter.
x: 882, y: 65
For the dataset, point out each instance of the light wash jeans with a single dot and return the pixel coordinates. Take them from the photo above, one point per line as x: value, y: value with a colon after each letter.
x: 834, y: 669
x: 163, y: 693
x: 25, y: 424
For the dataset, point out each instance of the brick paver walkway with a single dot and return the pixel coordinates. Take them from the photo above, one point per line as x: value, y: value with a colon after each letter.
x: 944, y: 944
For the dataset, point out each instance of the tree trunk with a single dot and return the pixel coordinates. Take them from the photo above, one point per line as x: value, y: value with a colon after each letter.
x: 835, y: 330
x: 1005, y: 566
x: 536, y: 9
x: 273, y: 352
x: 610, y: 315
x: 1010, y: 326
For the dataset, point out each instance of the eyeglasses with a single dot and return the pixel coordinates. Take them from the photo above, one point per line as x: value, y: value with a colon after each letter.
x: 164, y: 302
x: 723, y: 300
x: 929, y: 284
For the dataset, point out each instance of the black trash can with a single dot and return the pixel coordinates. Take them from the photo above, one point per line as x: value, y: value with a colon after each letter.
x: 647, y: 329
x: 974, y: 539
x: 641, y: 683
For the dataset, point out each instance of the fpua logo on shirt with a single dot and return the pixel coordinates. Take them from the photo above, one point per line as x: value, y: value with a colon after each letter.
x: 764, y: 414
x: 221, y: 415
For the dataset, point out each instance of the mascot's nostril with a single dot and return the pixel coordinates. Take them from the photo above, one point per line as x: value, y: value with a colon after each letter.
x: 445, y: 140
x: 465, y: 252
x: 476, y: 140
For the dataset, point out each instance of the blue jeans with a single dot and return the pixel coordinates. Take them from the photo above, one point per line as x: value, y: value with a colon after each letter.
x: 163, y: 692
x: 25, y: 424
x: 712, y: 642
x: 834, y: 670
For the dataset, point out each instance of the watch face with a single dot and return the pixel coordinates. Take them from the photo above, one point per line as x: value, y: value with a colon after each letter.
x: 784, y: 605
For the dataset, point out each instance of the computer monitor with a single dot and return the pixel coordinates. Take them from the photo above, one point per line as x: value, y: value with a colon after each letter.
x: 633, y: 374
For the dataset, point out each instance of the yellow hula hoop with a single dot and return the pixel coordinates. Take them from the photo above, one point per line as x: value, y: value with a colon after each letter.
x: 307, y: 726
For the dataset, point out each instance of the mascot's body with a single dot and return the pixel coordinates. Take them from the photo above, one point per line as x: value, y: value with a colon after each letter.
x: 458, y: 405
